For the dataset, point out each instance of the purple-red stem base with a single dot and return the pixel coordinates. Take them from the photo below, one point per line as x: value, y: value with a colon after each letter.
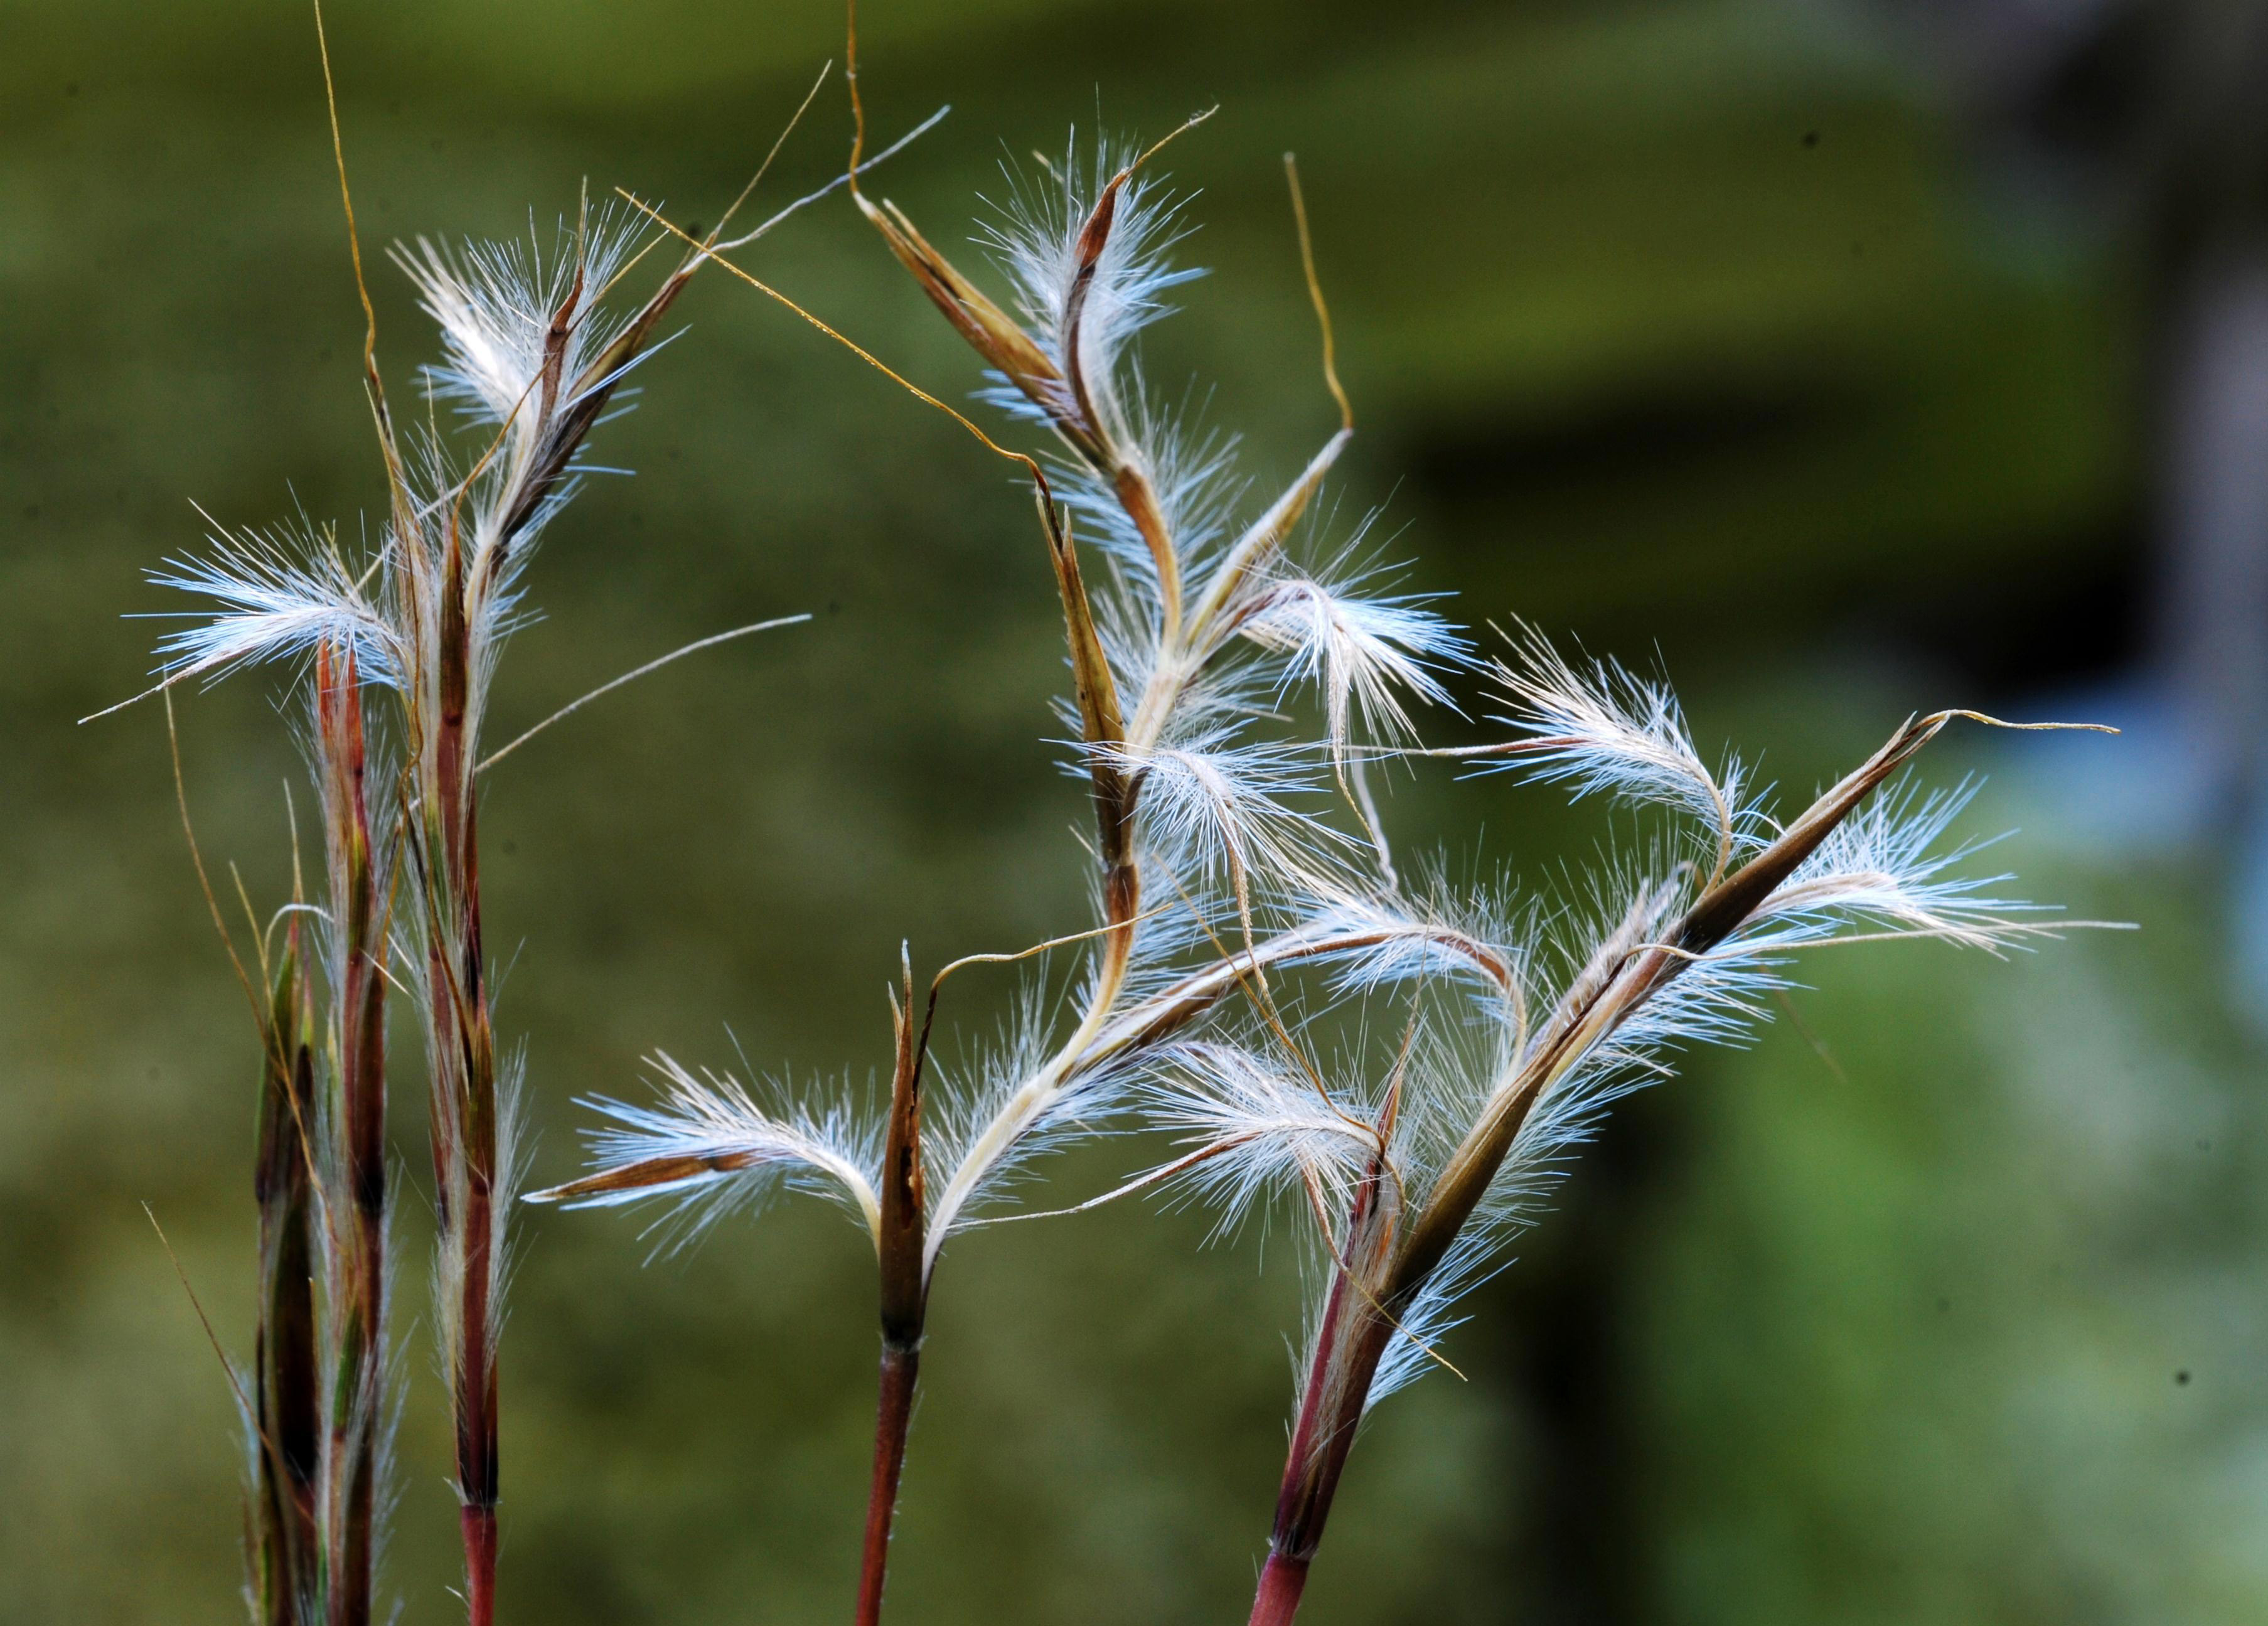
x: 1281, y: 1583
x: 479, y: 1528
x: 894, y: 1411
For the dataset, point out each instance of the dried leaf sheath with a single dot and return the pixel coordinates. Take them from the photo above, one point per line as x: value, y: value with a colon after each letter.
x: 461, y: 1052
x: 319, y: 1358
x: 901, y: 1258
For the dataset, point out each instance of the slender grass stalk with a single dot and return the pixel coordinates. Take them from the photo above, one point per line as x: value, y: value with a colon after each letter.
x: 356, y: 1209
x: 893, y: 1414
x: 459, y: 552
x: 286, y: 1388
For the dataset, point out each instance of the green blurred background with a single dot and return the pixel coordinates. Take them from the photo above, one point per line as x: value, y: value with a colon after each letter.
x: 1779, y: 342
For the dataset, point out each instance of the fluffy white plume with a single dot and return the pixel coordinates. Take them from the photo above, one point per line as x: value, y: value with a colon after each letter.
x: 1882, y: 866
x: 712, y: 1145
x: 1251, y: 1128
x: 284, y: 592
x: 1414, y: 1350
x: 1362, y: 654
x: 1604, y: 729
x: 1014, y: 1101
x: 499, y: 305
x: 1034, y: 238
x: 1256, y: 1130
x: 1222, y: 810
x: 1192, y: 474
x: 1394, y: 941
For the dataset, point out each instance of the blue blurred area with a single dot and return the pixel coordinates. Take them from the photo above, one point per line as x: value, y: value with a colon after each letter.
x: 1850, y: 361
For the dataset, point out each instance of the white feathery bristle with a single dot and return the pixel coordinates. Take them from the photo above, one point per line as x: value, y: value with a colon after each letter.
x: 1014, y: 1101
x: 1035, y: 241
x: 1413, y: 1350
x: 713, y: 1117
x: 284, y: 593
x: 970, y: 1093
x: 1192, y: 475
x: 1363, y: 654
x: 1254, y: 1130
x: 1220, y: 808
x: 1880, y: 867
x: 495, y: 303
x: 1607, y: 730
x: 1421, y: 941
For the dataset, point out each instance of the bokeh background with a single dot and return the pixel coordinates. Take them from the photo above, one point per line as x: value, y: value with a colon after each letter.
x: 1846, y: 359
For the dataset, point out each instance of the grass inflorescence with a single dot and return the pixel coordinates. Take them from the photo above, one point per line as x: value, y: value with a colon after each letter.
x: 1401, y: 1062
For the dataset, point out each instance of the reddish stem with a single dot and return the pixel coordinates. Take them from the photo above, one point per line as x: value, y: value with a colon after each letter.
x: 1349, y: 1343
x: 479, y: 1528
x: 1281, y: 1583
x: 359, y: 1041
x: 893, y: 1412
x: 476, y: 1438
x: 463, y: 1046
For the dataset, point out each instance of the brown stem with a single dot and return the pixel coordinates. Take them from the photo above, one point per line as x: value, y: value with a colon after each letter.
x: 893, y: 1412
x: 1353, y: 1341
